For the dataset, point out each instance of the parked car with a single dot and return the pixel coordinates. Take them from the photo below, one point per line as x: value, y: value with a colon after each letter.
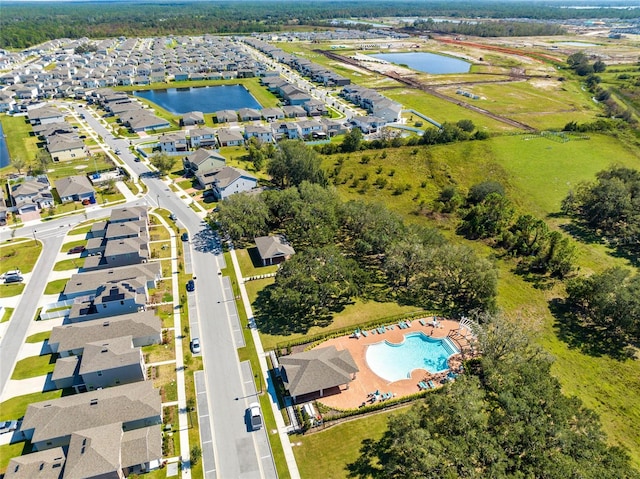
x: 8, y: 426
x: 117, y: 151
x: 255, y: 417
x: 185, y: 236
x: 76, y: 249
x: 195, y: 345
x: 191, y: 285
x: 172, y: 217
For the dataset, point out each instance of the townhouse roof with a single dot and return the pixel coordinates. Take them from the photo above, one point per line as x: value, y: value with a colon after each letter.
x: 73, y: 185
x: 91, y: 281
x: 109, y: 354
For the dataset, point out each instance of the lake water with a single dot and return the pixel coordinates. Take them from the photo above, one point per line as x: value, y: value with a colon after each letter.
x: 205, y: 99
x: 426, y: 62
x: 4, y: 152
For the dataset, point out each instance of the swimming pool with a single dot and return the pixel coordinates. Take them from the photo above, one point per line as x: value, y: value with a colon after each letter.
x: 394, y: 362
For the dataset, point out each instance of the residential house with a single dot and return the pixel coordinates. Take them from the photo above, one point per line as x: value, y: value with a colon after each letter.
x: 285, y: 129
x: 33, y: 194
x: 228, y: 137
x: 294, y: 111
x: 368, y: 124
x: 174, y: 142
x: 44, y: 115
x: 88, y: 283
x: 315, y: 108
x: 203, y: 138
x: 104, y: 363
x: 144, y: 328
x: 65, y: 147
x: 7, y: 103
x: 228, y: 181
x: 192, y: 118
x: 112, y: 299
x: 203, y: 160
x: 249, y: 114
x: 226, y: 116
x: 272, y: 114
x: 311, y: 129
x: 47, y: 464
x: 261, y: 132
x: 317, y: 371
x: 75, y: 188
x: 50, y: 424
x: 273, y: 249
x: 120, y: 252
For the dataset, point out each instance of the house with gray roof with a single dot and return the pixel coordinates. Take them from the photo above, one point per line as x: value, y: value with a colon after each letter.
x: 261, y: 132
x: 144, y: 328
x: 104, y: 363
x: 65, y: 147
x: 174, y: 142
x: 48, y: 464
x: 249, y: 114
x: 44, y: 115
x: 49, y: 424
x: 33, y: 194
x: 129, y: 213
x: 226, y: 116
x: 192, y: 118
x: 317, y: 371
x: 112, y: 299
x: 75, y: 188
x: 118, y: 252
x: 202, y: 160
x: 228, y: 181
x: 87, y: 283
x: 228, y: 137
x: 202, y: 138
x: 273, y: 249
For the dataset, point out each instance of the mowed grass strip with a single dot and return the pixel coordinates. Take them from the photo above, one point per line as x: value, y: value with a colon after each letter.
x: 56, y: 286
x: 34, y: 366
x: 337, y: 446
x: 20, y: 255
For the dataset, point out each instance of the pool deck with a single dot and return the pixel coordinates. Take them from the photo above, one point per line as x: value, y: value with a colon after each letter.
x: 367, y: 381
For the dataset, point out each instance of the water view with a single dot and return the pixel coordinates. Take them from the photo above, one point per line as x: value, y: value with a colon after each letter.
x: 205, y: 99
x: 4, y: 152
x: 426, y: 62
x: 578, y: 44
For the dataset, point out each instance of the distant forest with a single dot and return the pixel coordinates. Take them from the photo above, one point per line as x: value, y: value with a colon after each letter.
x: 24, y: 24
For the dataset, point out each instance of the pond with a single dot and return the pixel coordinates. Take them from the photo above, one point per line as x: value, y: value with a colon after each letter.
x: 4, y: 152
x: 426, y: 62
x: 205, y: 99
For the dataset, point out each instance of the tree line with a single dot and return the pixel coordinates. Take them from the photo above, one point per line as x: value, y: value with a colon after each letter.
x: 348, y: 250
x: 24, y: 24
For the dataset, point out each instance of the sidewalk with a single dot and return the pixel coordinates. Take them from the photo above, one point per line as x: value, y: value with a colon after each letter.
x: 183, y: 424
x: 282, y: 429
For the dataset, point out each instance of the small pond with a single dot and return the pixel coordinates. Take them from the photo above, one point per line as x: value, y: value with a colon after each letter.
x: 205, y: 99
x: 426, y: 62
x: 4, y: 152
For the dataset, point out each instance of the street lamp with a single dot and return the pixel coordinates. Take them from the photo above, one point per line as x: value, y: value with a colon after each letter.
x: 158, y: 200
x: 259, y: 377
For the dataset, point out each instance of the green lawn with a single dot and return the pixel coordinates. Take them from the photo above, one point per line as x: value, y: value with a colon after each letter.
x: 20, y: 142
x: 56, y: 286
x: 6, y: 314
x: 38, y: 337
x: 324, y: 455
x: 20, y: 255
x: 16, y: 407
x: 13, y: 289
x: 250, y: 263
x: 9, y: 451
x: 34, y: 366
x: 78, y: 167
x: 67, y: 246
x: 68, y: 264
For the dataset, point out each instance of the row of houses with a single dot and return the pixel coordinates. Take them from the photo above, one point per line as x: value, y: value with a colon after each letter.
x: 34, y: 193
x: 110, y: 427
x: 124, y: 62
x: 60, y: 138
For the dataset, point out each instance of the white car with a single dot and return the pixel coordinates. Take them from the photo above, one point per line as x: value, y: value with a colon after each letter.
x: 255, y: 416
x: 8, y: 426
x: 195, y: 345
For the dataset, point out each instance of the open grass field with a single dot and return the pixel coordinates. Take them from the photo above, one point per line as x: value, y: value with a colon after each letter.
x: 20, y: 142
x: 19, y: 254
x: 80, y: 166
x: 537, y: 174
x: 6, y: 314
x: 535, y: 101
x: 13, y: 289
x: 341, y: 443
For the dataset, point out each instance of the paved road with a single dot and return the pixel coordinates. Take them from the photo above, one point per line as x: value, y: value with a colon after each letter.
x: 239, y: 453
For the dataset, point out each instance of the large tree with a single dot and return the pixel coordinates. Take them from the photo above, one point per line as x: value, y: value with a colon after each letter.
x: 163, y: 162
x: 310, y: 287
x: 293, y: 163
x: 369, y: 228
x: 243, y: 217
